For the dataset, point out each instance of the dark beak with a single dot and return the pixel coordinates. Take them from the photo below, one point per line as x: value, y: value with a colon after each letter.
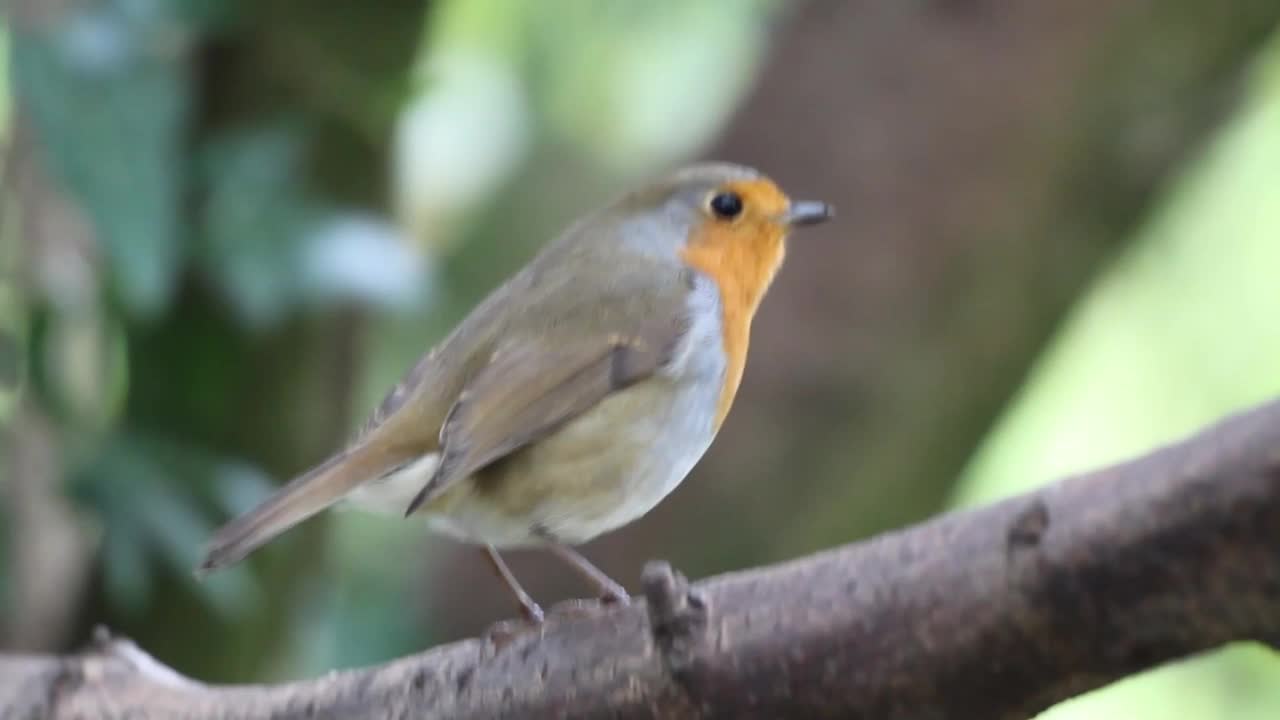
x: 808, y: 212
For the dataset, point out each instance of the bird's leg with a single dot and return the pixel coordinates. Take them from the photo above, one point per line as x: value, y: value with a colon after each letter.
x: 530, y: 609
x: 609, y: 589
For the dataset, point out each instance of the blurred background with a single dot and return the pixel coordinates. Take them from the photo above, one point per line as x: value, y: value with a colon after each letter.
x: 228, y: 227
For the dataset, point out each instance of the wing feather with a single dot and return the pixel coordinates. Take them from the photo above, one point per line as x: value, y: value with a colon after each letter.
x: 532, y: 386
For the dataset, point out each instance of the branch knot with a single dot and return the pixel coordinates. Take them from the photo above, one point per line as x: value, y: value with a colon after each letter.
x: 678, y: 617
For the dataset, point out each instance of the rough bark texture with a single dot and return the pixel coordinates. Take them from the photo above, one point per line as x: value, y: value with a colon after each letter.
x: 992, y: 613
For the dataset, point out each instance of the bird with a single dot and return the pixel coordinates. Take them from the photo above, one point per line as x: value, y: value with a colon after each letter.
x: 578, y: 394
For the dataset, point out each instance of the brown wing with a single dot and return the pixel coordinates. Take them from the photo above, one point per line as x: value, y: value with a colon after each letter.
x: 532, y: 386
x: 395, y: 397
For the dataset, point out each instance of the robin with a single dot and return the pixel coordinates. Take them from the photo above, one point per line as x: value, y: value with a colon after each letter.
x: 579, y: 393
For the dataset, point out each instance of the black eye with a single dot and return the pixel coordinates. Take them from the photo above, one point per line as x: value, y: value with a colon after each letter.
x: 726, y: 205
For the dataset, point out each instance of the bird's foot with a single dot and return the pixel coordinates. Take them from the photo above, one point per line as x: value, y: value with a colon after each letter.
x: 614, y: 594
x: 531, y: 611
x: 609, y: 590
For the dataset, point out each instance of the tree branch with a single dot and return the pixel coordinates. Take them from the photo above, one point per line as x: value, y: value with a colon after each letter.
x: 991, y: 613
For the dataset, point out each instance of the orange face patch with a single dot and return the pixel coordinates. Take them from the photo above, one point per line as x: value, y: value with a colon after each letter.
x: 741, y: 255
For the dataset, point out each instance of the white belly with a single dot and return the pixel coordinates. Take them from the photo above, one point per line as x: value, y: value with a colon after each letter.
x: 392, y: 493
x: 599, y: 472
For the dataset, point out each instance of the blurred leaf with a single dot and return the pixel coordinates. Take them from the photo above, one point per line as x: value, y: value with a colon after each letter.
x: 458, y: 140
x: 237, y: 487
x: 125, y: 571
x: 108, y: 94
x: 254, y: 219
x: 13, y: 349
x: 177, y: 533
x: 83, y: 365
x: 660, y: 95
x: 361, y: 259
x: 359, y: 617
x: 4, y: 81
x: 271, y: 247
x: 146, y: 494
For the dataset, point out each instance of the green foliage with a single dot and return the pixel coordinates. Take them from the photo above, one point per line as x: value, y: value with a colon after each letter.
x: 4, y: 80
x: 1130, y: 371
x: 12, y: 350
x: 255, y: 212
x: 143, y: 490
x: 271, y: 247
x: 188, y: 339
x: 108, y: 91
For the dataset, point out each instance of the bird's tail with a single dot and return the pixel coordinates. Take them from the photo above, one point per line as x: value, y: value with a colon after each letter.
x: 302, y: 498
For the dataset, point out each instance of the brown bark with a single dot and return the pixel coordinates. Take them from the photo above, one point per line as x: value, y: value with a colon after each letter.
x: 991, y: 613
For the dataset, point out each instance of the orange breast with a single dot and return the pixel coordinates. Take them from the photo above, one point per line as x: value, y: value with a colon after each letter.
x: 742, y: 258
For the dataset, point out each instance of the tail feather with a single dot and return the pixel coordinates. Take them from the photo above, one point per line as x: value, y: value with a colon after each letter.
x: 297, y: 501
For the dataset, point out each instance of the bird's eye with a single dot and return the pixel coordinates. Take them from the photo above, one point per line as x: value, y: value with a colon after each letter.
x: 726, y: 205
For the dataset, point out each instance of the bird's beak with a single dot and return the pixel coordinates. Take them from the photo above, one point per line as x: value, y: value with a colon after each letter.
x: 808, y: 212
